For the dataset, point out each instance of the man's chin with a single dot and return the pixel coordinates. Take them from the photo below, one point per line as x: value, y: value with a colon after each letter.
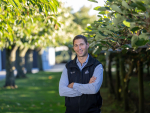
x: 81, y: 55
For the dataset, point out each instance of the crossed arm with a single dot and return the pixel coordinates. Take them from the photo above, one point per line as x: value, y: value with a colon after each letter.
x: 77, y: 89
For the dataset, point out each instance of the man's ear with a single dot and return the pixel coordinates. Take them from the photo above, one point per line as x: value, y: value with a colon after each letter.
x: 88, y: 45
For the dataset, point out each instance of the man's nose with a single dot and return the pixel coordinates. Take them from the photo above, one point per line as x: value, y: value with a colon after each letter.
x: 79, y: 47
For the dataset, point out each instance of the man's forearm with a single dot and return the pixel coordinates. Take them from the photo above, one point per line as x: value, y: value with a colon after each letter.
x: 63, y: 89
x: 68, y: 92
x: 91, y: 88
x: 86, y: 88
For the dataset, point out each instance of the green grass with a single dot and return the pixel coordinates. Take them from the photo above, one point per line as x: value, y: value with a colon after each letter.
x: 39, y: 94
x: 36, y: 94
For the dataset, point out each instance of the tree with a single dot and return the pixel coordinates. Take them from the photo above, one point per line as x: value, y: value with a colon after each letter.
x: 64, y: 34
x: 14, y: 13
x: 83, y: 18
x: 122, y: 25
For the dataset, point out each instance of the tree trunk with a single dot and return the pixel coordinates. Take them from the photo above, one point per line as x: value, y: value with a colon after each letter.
x: 40, y: 63
x: 123, y: 80
x: 29, y: 61
x: 105, y: 76
x: 10, y: 66
x: 130, y: 72
x: 117, y: 80
x: 111, y: 86
x: 21, y: 62
x: 70, y: 55
x: 148, y: 74
x: 141, y: 90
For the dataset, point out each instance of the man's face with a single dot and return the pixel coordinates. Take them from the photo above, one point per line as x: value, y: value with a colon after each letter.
x: 80, y: 47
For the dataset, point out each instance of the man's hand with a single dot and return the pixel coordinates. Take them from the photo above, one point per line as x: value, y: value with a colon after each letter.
x: 71, y: 85
x: 92, y: 79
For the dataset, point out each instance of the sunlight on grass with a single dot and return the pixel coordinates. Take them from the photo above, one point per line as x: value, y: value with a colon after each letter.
x: 38, y: 93
x: 42, y: 78
x: 34, y: 88
x: 24, y: 95
x: 51, y: 92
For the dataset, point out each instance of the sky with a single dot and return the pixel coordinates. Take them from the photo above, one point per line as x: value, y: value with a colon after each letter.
x: 77, y: 4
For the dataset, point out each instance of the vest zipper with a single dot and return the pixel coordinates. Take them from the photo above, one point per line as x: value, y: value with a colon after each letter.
x: 80, y: 81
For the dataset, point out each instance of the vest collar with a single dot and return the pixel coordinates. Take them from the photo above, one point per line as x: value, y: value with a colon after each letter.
x: 90, y: 62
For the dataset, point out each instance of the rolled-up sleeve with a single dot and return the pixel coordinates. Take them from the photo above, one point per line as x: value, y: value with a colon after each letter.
x: 91, y: 88
x: 64, y: 90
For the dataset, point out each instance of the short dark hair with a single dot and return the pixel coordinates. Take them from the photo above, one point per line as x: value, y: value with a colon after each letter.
x: 80, y: 37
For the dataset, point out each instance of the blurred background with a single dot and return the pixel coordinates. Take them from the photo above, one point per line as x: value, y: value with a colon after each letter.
x: 36, y: 43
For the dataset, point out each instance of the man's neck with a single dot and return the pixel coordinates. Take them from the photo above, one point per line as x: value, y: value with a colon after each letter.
x: 82, y: 59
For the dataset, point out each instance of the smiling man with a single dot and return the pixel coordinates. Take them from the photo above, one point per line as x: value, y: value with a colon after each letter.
x: 81, y: 80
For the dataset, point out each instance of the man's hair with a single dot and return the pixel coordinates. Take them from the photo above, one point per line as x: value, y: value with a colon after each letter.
x: 80, y: 37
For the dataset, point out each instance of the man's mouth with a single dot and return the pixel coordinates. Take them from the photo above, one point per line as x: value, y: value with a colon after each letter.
x: 80, y: 52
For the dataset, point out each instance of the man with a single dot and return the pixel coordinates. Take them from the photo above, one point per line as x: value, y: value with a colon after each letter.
x: 81, y: 80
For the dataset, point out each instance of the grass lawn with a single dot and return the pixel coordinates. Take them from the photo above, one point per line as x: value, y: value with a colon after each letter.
x: 36, y: 94
x: 39, y: 94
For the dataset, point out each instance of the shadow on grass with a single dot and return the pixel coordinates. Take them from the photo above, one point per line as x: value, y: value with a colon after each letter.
x: 38, y: 93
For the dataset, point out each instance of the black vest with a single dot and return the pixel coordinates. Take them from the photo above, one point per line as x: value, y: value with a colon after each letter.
x: 86, y: 103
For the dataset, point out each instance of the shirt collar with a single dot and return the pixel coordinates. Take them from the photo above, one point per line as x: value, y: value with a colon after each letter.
x: 77, y: 61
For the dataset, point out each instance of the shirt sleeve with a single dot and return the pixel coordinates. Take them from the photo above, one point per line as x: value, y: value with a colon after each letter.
x: 64, y: 90
x: 91, y: 88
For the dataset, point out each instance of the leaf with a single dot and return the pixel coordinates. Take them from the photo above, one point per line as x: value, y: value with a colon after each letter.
x: 103, y: 42
x: 134, y: 40
x: 141, y: 42
x: 56, y: 2
x: 33, y: 2
x: 144, y: 36
x: 134, y: 5
x: 112, y: 40
x: 46, y: 10
x: 126, y: 23
x: 99, y: 8
x: 12, y: 3
x: 50, y: 77
x: 99, y: 15
x: 115, y: 21
x: 116, y: 8
x: 93, y: 1
x: 125, y: 46
x: 51, y: 7
x: 135, y: 29
x: 92, y: 44
x: 141, y: 6
x: 125, y: 5
x: 40, y: 8
x: 102, y: 12
x: 122, y: 37
x: 109, y: 44
x: 17, y: 3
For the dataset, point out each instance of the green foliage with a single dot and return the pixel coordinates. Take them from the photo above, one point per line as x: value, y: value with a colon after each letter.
x: 68, y: 29
x: 121, y: 23
x: 93, y: 1
x: 20, y: 19
x: 83, y: 18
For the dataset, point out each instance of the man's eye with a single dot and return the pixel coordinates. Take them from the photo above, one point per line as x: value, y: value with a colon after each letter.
x: 81, y: 44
